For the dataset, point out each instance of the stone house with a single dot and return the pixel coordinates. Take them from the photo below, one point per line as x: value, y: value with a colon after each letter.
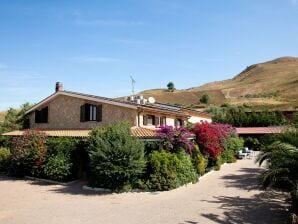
x: 75, y: 114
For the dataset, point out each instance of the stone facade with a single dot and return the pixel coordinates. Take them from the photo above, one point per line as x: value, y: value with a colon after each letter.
x: 64, y: 113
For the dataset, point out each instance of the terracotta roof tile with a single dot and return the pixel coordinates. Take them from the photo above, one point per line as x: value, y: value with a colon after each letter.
x: 260, y: 130
x: 138, y: 132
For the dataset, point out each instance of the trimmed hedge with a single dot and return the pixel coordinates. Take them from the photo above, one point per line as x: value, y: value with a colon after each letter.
x: 169, y: 170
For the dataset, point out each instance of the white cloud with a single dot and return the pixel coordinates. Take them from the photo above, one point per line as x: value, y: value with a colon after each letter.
x: 94, y: 60
x: 104, y: 22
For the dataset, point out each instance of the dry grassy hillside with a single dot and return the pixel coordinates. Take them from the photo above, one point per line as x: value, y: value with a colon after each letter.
x: 2, y: 115
x: 271, y: 84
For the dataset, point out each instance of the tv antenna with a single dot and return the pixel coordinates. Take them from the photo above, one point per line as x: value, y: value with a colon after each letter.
x: 133, y: 82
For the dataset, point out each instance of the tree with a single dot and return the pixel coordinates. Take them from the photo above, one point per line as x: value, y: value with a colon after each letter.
x: 171, y: 86
x: 205, y: 98
x: 116, y: 158
x: 281, y: 172
x: 16, y: 119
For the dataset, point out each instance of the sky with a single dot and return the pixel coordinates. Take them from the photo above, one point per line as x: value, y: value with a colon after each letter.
x: 95, y: 46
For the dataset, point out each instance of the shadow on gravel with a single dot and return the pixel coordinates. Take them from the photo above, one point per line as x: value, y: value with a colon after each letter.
x: 267, y: 207
x: 247, y: 180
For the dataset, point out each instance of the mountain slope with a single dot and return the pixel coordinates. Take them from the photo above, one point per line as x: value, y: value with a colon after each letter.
x: 272, y: 84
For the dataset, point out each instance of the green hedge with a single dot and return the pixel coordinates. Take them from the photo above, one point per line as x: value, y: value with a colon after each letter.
x: 5, y: 158
x: 169, y: 170
x: 116, y: 158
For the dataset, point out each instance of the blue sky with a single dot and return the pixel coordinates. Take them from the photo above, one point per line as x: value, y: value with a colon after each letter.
x: 94, y: 46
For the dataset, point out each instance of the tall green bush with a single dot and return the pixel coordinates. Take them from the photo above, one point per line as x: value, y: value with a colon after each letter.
x: 28, y: 153
x: 231, y: 145
x: 58, y: 167
x: 116, y: 158
x: 169, y: 170
x: 5, y: 157
x: 199, y: 161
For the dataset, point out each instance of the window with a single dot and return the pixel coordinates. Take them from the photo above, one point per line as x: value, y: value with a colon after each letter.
x: 178, y: 122
x: 148, y: 120
x: 90, y: 112
x: 163, y: 121
x: 41, y: 116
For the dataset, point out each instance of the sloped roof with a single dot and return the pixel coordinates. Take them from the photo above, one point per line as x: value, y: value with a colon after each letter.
x: 259, y: 130
x: 139, y: 132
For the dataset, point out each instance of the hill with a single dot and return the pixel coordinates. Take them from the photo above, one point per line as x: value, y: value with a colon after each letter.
x: 2, y: 116
x: 272, y: 84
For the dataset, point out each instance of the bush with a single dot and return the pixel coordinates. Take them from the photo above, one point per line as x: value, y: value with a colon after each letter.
x: 5, y: 157
x: 175, y: 138
x: 28, y: 153
x: 116, y: 158
x: 58, y: 167
x: 232, y: 145
x: 210, y: 137
x: 169, y: 170
x: 199, y: 161
x: 252, y: 143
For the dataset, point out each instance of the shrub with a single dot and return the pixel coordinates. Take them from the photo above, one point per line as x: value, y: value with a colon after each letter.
x: 205, y: 98
x: 175, y: 138
x: 232, y: 144
x: 199, y: 161
x: 210, y: 137
x: 73, y: 149
x: 116, y: 158
x: 252, y: 143
x: 169, y: 170
x: 218, y: 163
x: 58, y: 167
x: 5, y: 157
x: 28, y: 153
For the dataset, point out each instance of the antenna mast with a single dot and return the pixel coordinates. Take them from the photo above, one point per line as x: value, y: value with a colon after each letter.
x: 132, y: 85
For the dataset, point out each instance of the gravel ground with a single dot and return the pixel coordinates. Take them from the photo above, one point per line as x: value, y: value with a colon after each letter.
x: 226, y: 196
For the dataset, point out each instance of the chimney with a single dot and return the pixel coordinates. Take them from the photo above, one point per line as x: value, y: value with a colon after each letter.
x: 59, y: 87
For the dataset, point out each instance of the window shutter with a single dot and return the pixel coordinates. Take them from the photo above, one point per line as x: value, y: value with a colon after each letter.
x: 156, y: 121
x: 176, y: 122
x: 45, y: 112
x: 145, y: 120
x: 87, y: 112
x: 37, y: 116
x: 83, y: 113
x: 99, y: 113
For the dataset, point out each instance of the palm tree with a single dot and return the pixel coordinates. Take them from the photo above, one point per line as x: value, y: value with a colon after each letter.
x: 282, y: 168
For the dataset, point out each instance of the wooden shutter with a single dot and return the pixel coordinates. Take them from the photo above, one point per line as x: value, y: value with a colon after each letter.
x: 145, y: 120
x: 156, y: 121
x: 83, y: 113
x: 99, y: 113
x: 87, y: 112
x: 45, y: 113
x: 37, y: 116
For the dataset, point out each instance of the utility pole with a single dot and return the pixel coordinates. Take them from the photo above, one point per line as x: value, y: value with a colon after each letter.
x: 133, y: 82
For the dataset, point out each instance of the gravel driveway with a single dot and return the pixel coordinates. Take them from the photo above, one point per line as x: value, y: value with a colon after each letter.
x: 227, y: 196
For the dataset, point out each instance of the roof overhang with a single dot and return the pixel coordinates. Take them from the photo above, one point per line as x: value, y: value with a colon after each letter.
x: 80, y: 96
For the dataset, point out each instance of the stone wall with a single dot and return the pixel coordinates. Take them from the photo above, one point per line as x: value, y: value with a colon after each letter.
x: 64, y: 113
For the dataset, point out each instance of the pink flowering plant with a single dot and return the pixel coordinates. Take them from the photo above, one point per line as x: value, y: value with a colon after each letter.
x: 174, y: 138
x: 211, y: 137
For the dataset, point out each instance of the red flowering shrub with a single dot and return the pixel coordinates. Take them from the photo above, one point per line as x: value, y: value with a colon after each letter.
x: 175, y: 138
x: 28, y: 153
x: 210, y: 137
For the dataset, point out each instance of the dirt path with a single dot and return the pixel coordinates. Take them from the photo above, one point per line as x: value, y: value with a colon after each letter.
x: 227, y: 196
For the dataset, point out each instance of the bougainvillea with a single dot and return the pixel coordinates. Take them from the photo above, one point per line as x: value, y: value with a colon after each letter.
x: 28, y: 152
x: 175, y: 138
x: 210, y: 137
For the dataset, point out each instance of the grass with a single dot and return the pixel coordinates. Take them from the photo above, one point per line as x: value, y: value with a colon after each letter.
x: 2, y: 116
